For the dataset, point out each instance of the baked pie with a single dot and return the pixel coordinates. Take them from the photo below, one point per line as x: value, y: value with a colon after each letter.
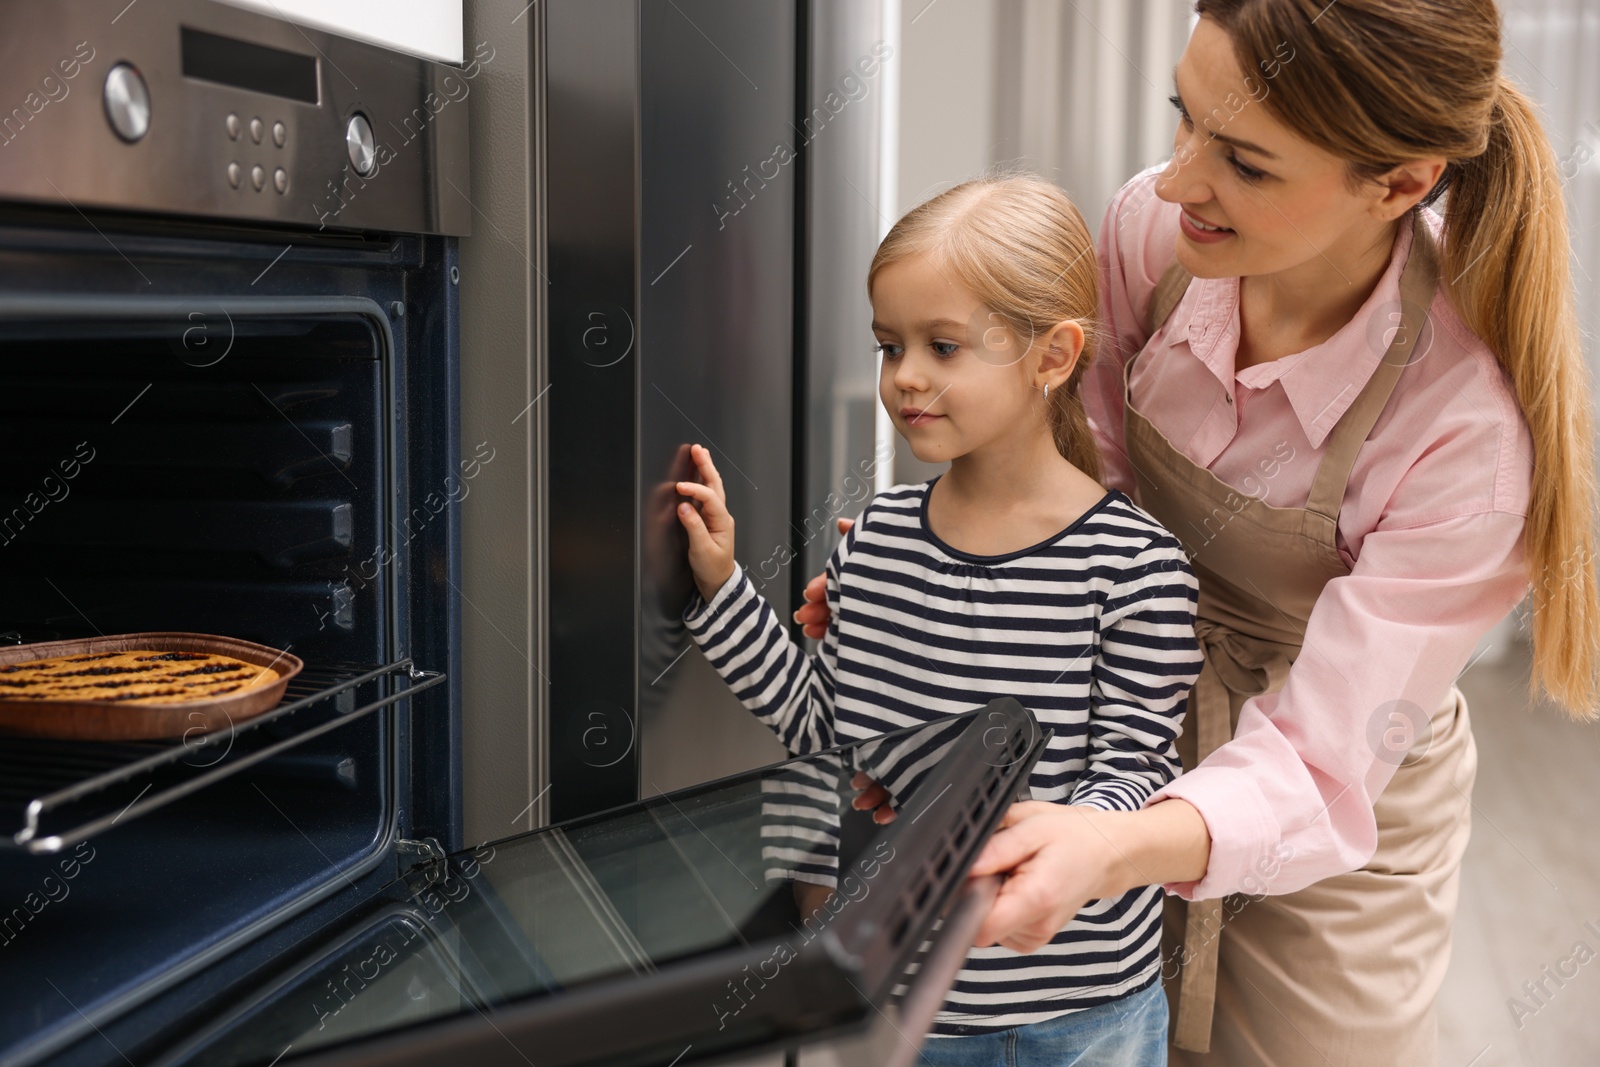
x: 139, y: 676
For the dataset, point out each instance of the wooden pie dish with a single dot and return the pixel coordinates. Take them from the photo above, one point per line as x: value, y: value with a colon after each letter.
x: 101, y: 720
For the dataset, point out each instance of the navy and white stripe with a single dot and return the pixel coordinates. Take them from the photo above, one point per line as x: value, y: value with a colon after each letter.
x: 1092, y: 629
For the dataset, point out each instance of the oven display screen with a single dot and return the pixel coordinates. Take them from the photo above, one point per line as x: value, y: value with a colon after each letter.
x: 244, y: 65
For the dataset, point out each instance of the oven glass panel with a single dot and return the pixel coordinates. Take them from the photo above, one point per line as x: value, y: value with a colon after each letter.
x: 773, y: 857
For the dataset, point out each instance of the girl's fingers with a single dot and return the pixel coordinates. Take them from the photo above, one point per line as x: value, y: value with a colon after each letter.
x: 692, y: 522
x: 711, y: 506
x: 708, y: 469
x: 871, y: 796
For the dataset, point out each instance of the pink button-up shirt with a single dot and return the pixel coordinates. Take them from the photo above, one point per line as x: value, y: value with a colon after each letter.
x: 1431, y: 527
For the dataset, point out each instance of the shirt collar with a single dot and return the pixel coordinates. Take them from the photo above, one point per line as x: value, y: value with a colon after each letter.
x: 1321, y: 382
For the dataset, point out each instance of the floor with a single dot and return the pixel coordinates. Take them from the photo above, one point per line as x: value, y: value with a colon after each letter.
x: 1530, y: 887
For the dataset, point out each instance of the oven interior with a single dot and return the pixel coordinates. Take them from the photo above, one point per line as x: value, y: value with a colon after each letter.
x: 232, y: 467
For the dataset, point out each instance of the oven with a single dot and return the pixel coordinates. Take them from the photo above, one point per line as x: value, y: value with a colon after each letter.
x: 228, y: 405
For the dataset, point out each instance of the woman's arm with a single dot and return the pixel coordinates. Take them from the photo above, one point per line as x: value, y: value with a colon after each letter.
x: 1060, y: 857
x: 1289, y: 800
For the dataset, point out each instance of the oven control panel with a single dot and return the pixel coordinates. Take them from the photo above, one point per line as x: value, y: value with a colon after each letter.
x: 196, y: 108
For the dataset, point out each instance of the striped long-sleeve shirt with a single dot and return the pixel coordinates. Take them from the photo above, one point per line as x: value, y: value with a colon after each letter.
x: 1092, y: 629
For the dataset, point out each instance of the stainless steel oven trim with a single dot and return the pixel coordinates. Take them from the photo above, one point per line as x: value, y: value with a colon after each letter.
x: 54, y: 305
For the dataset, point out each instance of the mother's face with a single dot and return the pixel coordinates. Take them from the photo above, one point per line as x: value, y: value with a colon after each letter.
x: 1279, y: 199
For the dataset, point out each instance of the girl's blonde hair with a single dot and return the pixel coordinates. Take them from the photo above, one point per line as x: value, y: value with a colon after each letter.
x: 1377, y: 82
x: 1023, y: 249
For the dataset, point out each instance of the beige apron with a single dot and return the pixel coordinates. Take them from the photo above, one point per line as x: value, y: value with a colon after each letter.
x: 1343, y: 972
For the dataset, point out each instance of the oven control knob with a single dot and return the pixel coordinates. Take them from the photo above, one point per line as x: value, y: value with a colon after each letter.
x: 127, y: 102
x: 358, y: 140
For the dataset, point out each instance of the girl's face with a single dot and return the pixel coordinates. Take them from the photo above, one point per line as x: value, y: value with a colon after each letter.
x: 1280, y: 199
x: 952, y: 379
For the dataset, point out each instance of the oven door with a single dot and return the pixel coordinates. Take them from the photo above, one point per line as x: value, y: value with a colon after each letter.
x: 750, y: 914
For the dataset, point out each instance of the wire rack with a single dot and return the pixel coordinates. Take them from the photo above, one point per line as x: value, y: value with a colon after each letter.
x: 54, y: 794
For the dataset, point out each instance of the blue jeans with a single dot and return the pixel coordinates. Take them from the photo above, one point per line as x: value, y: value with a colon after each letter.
x: 1128, y: 1032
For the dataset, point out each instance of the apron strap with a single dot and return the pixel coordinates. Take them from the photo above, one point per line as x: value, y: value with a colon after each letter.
x: 1168, y: 291
x: 1233, y: 663
x: 1418, y: 283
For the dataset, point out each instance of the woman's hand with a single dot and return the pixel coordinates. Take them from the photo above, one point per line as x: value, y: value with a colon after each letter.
x: 813, y: 615
x: 710, y: 526
x: 1059, y: 857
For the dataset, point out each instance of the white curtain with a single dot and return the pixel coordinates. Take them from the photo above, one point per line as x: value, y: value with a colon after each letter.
x: 1082, y: 89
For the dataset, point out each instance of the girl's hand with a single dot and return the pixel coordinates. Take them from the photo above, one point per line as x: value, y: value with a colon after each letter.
x: 1058, y: 858
x: 813, y: 615
x: 809, y: 897
x: 710, y: 527
x: 872, y: 797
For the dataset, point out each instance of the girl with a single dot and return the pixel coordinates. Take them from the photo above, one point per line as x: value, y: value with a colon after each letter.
x: 1013, y: 573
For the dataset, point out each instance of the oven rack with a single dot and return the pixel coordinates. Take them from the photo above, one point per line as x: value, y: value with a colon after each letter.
x: 55, y: 793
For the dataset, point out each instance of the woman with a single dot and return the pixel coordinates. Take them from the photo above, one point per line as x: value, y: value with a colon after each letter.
x: 1370, y: 428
